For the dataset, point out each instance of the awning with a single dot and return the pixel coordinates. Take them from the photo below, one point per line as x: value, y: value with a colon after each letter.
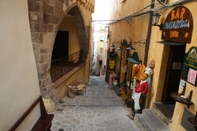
x: 171, y: 43
x: 130, y: 59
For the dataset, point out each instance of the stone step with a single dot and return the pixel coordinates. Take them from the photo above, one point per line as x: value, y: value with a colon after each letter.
x: 142, y: 123
x: 164, y: 113
x: 155, y: 122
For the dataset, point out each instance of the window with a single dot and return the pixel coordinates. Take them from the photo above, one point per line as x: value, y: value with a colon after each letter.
x: 101, y: 38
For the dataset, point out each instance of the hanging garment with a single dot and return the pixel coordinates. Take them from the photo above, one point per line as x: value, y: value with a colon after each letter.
x: 141, y: 71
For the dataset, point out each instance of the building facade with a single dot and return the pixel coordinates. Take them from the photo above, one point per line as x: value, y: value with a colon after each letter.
x: 28, y: 33
x: 165, y: 45
x: 46, y: 19
x: 29, y: 29
x: 99, y: 50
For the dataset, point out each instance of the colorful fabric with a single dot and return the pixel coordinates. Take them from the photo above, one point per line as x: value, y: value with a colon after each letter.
x: 142, y: 87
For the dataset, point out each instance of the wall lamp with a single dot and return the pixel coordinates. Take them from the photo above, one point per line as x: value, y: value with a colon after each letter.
x: 119, y: 48
x: 130, y: 47
x: 112, y: 45
x: 155, y: 20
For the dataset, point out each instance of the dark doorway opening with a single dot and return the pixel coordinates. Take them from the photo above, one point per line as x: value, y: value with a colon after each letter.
x: 60, y: 48
x: 173, y: 74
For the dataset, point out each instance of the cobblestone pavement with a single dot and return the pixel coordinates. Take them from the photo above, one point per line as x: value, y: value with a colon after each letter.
x: 97, y: 109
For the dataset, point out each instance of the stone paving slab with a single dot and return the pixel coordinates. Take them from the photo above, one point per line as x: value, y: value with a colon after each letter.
x: 99, y: 109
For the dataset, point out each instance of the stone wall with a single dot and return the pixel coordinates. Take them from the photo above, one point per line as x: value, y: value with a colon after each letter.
x: 45, y: 18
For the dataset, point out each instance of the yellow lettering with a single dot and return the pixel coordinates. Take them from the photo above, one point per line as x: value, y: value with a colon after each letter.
x: 174, y: 34
x: 177, y: 14
x: 172, y: 14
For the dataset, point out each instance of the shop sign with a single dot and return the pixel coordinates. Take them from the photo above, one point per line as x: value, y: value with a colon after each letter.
x: 178, y: 25
x: 189, y: 70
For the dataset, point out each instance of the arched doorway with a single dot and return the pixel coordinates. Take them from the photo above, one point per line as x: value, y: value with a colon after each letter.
x: 67, y: 50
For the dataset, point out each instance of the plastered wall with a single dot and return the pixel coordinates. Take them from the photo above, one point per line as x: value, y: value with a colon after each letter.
x: 18, y: 73
x: 69, y: 24
x: 62, y: 89
x: 132, y: 28
x: 159, y: 53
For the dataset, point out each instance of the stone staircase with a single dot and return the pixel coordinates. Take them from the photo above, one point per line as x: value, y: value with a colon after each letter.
x: 155, y: 119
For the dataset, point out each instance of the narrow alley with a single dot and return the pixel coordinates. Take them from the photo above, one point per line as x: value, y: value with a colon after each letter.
x: 97, y: 109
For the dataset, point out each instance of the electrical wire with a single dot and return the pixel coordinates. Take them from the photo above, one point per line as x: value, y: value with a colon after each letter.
x: 142, y: 12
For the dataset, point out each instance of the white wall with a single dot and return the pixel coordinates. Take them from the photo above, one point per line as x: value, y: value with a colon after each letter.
x: 18, y: 74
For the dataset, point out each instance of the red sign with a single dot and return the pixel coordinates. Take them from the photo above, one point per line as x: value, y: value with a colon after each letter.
x: 178, y: 25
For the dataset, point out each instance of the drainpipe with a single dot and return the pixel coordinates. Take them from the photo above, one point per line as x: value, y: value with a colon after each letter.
x: 148, y: 35
x: 144, y: 99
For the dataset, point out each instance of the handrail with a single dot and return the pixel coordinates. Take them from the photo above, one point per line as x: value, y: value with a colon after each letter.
x: 25, y: 114
x: 63, y: 65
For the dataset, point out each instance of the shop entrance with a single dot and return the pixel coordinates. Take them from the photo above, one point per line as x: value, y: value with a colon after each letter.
x: 173, y: 73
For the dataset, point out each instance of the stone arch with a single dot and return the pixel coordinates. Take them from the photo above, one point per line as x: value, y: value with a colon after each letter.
x: 45, y: 18
x: 83, y: 30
